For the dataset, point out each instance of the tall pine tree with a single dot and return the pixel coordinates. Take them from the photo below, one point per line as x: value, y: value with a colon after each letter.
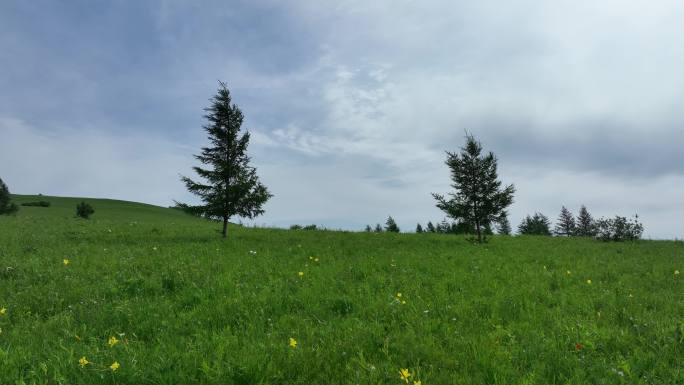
x: 565, y: 226
x: 479, y: 198
x: 391, y: 225
x: 503, y: 225
x: 586, y: 226
x: 6, y: 205
x: 231, y: 186
x: 419, y: 229
x: 430, y: 228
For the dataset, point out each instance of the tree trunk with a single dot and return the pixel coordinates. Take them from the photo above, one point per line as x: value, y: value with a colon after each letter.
x: 479, y: 232
x: 225, y: 226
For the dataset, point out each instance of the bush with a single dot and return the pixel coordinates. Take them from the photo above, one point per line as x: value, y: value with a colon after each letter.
x: 84, y: 210
x: 310, y: 227
x: 37, y: 204
x: 6, y: 206
x: 619, y: 229
x: 538, y: 224
x: 296, y: 227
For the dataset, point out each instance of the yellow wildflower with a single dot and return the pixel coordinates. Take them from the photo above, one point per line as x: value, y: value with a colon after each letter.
x: 65, y: 261
x: 83, y: 361
x: 114, y: 366
x: 112, y: 341
x: 310, y: 258
x: 676, y: 272
x: 568, y: 272
x: 404, y: 374
x: 417, y: 382
x: 300, y: 274
x: 292, y: 343
x: 398, y: 295
x: 316, y: 259
x: 3, y: 311
x: 589, y: 281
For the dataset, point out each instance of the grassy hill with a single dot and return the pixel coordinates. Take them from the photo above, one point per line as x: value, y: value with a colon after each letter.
x: 187, y: 307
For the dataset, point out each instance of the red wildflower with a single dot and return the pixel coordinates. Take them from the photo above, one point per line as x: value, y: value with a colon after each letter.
x: 579, y: 346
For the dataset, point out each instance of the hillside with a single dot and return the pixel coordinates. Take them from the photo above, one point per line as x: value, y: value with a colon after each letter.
x: 270, y: 306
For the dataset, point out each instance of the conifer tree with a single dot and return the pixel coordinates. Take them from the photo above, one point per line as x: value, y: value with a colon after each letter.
x: 378, y: 228
x: 538, y: 224
x: 391, y: 225
x: 231, y: 186
x: 430, y: 227
x: 368, y: 229
x: 6, y: 205
x: 503, y: 225
x: 479, y: 198
x: 419, y: 228
x: 565, y: 226
x: 586, y: 226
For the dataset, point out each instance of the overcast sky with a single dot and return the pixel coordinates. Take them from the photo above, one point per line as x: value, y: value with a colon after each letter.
x: 351, y: 104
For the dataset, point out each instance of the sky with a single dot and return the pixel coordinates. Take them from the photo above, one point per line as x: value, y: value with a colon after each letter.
x: 352, y: 104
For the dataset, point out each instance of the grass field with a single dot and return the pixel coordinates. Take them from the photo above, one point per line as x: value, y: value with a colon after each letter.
x: 186, y: 307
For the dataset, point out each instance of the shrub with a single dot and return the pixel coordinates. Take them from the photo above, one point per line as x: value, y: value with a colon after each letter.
x: 296, y: 227
x: 619, y: 229
x: 310, y: 227
x: 37, y: 204
x: 6, y: 206
x: 84, y: 210
x: 538, y: 224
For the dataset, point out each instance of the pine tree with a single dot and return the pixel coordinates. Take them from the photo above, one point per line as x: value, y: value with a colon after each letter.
x: 538, y: 224
x: 391, y: 225
x: 565, y: 227
x: 368, y: 229
x: 478, y: 197
x: 586, y: 226
x: 430, y: 227
x: 503, y: 225
x: 419, y: 229
x: 378, y: 228
x: 232, y: 186
x: 6, y: 205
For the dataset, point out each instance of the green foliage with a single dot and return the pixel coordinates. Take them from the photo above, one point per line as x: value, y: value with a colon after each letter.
x: 368, y: 229
x: 619, y: 229
x: 36, y: 204
x: 231, y: 186
x: 189, y: 308
x: 538, y: 224
x: 565, y: 226
x: 430, y: 228
x: 84, y: 210
x: 419, y: 229
x: 296, y: 227
x: 391, y: 225
x: 7, y: 207
x: 586, y: 226
x: 503, y: 225
x: 378, y: 228
x: 478, y: 198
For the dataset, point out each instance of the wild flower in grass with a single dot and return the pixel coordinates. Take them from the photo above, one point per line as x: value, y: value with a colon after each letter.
x: 404, y: 374
x: 112, y: 341
x: 398, y: 295
x: 588, y: 281
x: 676, y: 272
x: 3, y: 311
x: 83, y: 361
x: 417, y: 382
x: 292, y: 343
x: 578, y: 346
x: 154, y: 248
x: 568, y: 272
x: 316, y: 259
x: 65, y: 261
x: 114, y: 366
x: 300, y: 274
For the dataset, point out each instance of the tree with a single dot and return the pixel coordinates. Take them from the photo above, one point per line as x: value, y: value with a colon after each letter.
x: 368, y: 229
x: 378, y: 228
x: 84, y: 210
x: 619, y: 229
x: 538, y: 224
x: 479, y: 198
x: 586, y: 226
x: 565, y: 226
x: 6, y: 205
x: 503, y: 225
x: 430, y: 227
x: 419, y: 228
x: 391, y: 225
x: 232, y: 186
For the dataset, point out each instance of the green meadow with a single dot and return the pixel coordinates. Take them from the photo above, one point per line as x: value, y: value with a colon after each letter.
x: 271, y: 306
